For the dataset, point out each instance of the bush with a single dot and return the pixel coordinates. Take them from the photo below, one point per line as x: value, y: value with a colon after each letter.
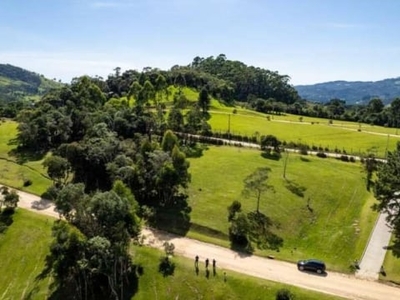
x: 284, y: 294
x: 234, y: 111
x: 352, y: 159
x: 321, y: 155
x: 344, y: 158
x: 303, y: 151
x: 166, y: 267
x: 27, y: 182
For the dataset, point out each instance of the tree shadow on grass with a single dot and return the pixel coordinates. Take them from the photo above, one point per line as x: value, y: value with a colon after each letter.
x: 304, y: 159
x: 174, y: 219
x: 295, y: 188
x: 271, y: 155
x: 209, y: 231
x: 70, y: 291
x: 23, y: 155
x: 6, y: 219
x: 395, y: 247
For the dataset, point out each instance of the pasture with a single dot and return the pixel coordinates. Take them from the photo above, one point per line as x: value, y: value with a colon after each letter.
x: 23, y: 248
x: 316, y: 133
x: 17, y: 168
x: 322, y: 208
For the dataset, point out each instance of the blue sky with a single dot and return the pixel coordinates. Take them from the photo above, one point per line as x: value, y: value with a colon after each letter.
x: 309, y: 40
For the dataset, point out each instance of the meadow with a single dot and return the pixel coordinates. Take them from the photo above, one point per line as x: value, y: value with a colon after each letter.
x: 13, y: 171
x: 23, y: 255
x: 341, y: 136
x: 335, y: 227
x: 391, y: 266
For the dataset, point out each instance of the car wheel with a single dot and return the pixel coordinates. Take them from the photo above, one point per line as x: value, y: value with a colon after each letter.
x: 319, y: 271
x: 301, y: 268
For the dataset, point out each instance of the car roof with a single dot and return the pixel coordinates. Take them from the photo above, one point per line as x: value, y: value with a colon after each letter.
x: 315, y: 261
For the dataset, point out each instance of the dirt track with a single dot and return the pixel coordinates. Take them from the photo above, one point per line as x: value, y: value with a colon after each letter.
x: 331, y: 283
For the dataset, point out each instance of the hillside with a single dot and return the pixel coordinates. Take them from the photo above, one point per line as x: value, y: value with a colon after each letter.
x: 351, y: 91
x: 19, y: 84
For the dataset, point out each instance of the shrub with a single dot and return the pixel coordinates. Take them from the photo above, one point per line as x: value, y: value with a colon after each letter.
x: 303, y: 151
x: 321, y: 154
x: 27, y: 182
x: 344, y: 158
x: 284, y: 294
x: 234, y: 111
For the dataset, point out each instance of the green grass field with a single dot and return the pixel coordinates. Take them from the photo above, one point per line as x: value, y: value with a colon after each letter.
x: 319, y: 135
x: 336, y: 230
x: 13, y: 173
x: 391, y: 266
x: 24, y: 246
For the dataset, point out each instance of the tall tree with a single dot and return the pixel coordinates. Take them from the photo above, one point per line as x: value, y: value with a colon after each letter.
x: 387, y: 192
x: 90, y: 251
x: 256, y: 184
x: 58, y: 168
x: 160, y: 87
x: 370, y: 166
x: 204, y: 100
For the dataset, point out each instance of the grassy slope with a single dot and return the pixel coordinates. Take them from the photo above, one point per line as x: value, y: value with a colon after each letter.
x: 23, y: 252
x: 336, y: 191
x: 320, y: 135
x: 23, y: 249
x: 339, y: 134
x: 12, y: 173
x: 392, y: 267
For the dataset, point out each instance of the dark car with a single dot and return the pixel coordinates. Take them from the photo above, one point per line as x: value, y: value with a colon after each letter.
x: 311, y: 265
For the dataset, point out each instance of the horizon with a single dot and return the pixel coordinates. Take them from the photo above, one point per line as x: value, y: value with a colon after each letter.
x: 311, y: 42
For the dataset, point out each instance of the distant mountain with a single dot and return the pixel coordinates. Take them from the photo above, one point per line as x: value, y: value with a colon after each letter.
x: 19, y: 84
x: 351, y: 91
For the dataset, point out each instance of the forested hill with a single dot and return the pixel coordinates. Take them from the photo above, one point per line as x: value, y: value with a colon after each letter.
x: 351, y: 91
x: 19, y: 84
x: 225, y: 79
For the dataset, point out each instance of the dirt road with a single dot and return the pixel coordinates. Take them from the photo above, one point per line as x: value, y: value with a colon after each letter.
x: 331, y: 283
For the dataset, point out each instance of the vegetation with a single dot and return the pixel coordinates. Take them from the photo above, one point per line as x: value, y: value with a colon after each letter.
x: 19, y: 88
x: 17, y: 167
x: 391, y: 267
x: 89, y: 253
x: 111, y: 156
x: 312, y: 222
x: 387, y: 194
x: 24, y: 252
x: 316, y: 134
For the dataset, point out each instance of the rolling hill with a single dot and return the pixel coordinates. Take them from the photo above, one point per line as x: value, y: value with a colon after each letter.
x: 19, y: 84
x: 351, y: 91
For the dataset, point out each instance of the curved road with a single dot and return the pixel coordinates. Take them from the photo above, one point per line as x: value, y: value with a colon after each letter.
x: 347, y: 286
